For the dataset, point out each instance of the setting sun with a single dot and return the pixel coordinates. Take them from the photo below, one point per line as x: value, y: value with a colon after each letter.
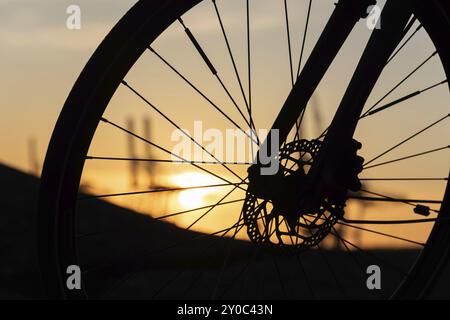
x: 195, y: 197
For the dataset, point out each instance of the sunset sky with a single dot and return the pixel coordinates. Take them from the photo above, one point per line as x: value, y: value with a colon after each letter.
x: 41, y: 59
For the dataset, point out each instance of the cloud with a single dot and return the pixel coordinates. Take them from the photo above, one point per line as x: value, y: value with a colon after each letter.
x: 42, y: 23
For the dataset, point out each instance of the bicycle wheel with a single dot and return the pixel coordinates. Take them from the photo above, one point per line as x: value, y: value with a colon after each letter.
x: 201, y: 202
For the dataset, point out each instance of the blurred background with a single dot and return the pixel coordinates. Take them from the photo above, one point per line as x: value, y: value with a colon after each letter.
x: 41, y: 59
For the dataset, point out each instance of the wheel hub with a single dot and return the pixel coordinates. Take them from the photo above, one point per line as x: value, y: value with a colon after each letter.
x: 283, y: 209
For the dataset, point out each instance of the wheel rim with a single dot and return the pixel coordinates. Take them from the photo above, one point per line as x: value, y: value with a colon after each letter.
x: 72, y: 170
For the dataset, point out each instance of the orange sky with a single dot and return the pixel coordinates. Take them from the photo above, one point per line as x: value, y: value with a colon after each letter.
x: 41, y: 60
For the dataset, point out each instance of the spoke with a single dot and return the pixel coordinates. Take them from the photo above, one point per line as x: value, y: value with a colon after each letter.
x: 178, y: 127
x: 167, y: 161
x: 165, y: 150
x: 213, y: 207
x: 249, y: 262
x: 375, y: 232
x: 249, y: 62
x: 323, y: 133
x: 213, y: 70
x: 302, y: 267
x: 291, y: 67
x: 392, y: 222
x: 298, y: 124
x: 241, y: 272
x: 350, y: 252
x: 404, y: 98
x: 198, y: 237
x: 408, y: 27
x: 288, y: 34
x: 345, y: 242
x: 379, y: 233
x: 391, y: 199
x: 249, y: 69
x: 119, y: 231
x: 410, y: 202
x: 250, y: 124
x: 404, y: 179
x: 332, y: 271
x: 372, y: 109
x: 210, y: 207
x: 406, y: 158
x: 370, y: 66
x: 201, y: 236
x: 339, y: 26
x: 305, y: 33
x: 237, y: 229
x: 400, y: 83
x: 198, y: 47
x: 233, y: 61
x: 382, y: 234
x: 225, y: 262
x: 215, y: 106
x: 327, y: 263
x: 121, y: 282
x: 277, y: 271
x: 154, y: 191
x: 407, y: 139
x: 180, y: 244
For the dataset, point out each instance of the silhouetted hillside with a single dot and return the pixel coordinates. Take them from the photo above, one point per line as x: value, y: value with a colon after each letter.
x: 121, y: 251
x: 114, y: 241
x: 19, y: 277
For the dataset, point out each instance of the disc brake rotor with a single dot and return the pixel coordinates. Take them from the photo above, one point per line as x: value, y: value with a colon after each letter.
x: 275, y: 222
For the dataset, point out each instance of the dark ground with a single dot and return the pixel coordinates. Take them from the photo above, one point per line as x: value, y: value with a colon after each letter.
x: 121, y: 251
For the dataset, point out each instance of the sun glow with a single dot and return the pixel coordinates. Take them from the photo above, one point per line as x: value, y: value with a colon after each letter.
x: 195, y: 197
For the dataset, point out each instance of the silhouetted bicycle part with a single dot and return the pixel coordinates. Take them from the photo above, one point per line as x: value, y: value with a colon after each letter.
x: 324, y: 178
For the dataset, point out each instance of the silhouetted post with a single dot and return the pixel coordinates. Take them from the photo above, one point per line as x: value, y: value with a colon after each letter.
x: 317, y: 117
x: 132, y: 155
x: 357, y: 233
x: 149, y: 166
x: 33, y: 157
